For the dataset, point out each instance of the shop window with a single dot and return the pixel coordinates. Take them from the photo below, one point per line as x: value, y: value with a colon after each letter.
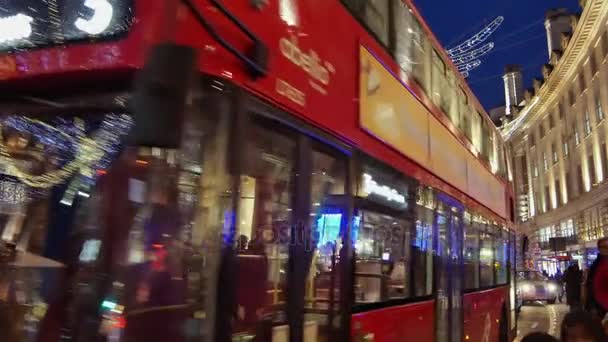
x: 382, y: 258
x: 374, y: 14
x: 471, y: 254
x: 263, y: 221
x: 486, y: 257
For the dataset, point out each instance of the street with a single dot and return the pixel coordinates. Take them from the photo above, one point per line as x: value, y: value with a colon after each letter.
x: 539, y: 317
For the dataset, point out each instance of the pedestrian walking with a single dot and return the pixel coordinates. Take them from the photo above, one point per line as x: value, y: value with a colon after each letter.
x: 597, y: 281
x: 573, y: 277
x: 582, y: 326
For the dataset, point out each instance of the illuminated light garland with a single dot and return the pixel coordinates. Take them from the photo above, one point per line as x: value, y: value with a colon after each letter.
x: 91, y: 153
x: 464, y: 69
x: 465, y: 56
x: 477, y: 38
x: 472, y: 55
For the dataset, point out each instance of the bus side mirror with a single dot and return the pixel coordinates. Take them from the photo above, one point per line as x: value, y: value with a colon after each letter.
x: 161, y: 92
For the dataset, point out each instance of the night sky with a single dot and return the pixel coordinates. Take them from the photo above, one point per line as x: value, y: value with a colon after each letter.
x: 521, y: 39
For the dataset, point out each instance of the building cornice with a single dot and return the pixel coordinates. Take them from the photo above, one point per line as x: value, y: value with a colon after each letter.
x: 591, y: 21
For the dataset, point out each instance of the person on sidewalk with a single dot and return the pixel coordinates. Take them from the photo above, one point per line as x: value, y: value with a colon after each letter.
x: 573, y: 277
x: 582, y: 326
x: 597, y: 281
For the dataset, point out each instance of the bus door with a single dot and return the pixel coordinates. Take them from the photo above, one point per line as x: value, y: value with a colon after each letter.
x: 449, y: 269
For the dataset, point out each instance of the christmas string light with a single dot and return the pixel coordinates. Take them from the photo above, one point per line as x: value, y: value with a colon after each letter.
x: 90, y: 153
x: 465, y: 55
x: 477, y: 38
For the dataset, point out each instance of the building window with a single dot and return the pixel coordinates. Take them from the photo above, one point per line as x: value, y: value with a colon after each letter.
x: 577, y: 138
x: 592, y: 63
x: 604, y: 158
x: 565, y: 141
x: 532, y: 140
x: 569, y: 190
x: 542, y: 130
x: 591, y: 167
x: 600, y: 111
x: 581, y: 81
x: 551, y: 121
x: 545, y: 163
x: 534, y: 170
x: 604, y: 45
x: 547, y: 198
x: 572, y: 97
x: 587, y: 123
x: 580, y: 180
x: 554, y: 152
x: 558, y: 197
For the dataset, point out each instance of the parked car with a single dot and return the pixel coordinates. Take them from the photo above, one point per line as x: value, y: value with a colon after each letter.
x: 534, y: 286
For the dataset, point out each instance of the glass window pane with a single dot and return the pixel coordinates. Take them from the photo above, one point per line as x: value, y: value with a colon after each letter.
x: 471, y: 254
x: 322, y: 284
x: 502, y: 255
x: 264, y: 217
x: 423, y: 252
x: 486, y: 257
x: 143, y: 219
x: 374, y: 14
x: 383, y: 254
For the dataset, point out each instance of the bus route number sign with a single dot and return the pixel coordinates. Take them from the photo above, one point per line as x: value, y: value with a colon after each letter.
x: 28, y: 24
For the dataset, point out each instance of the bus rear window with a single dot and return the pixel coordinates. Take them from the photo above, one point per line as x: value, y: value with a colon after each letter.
x: 27, y: 24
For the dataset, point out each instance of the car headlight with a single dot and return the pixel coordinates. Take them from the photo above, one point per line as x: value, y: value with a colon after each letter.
x: 552, y: 287
x: 527, y: 287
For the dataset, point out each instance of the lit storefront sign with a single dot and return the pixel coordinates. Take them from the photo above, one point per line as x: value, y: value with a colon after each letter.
x: 371, y: 187
x: 32, y: 23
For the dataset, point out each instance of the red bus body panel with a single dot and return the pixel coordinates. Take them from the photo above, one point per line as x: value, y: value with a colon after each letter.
x: 482, y: 313
x: 413, y: 321
x: 325, y: 35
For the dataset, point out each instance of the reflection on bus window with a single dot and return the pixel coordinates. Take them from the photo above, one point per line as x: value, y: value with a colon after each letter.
x: 471, y: 254
x: 423, y: 252
x: 383, y: 258
x: 502, y: 255
x: 110, y: 233
x: 322, y: 284
x: 263, y: 227
x: 486, y: 259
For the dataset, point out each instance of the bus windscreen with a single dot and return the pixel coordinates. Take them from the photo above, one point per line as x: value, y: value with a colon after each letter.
x: 27, y: 24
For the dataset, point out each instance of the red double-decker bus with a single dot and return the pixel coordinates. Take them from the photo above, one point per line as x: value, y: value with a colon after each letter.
x: 263, y: 170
